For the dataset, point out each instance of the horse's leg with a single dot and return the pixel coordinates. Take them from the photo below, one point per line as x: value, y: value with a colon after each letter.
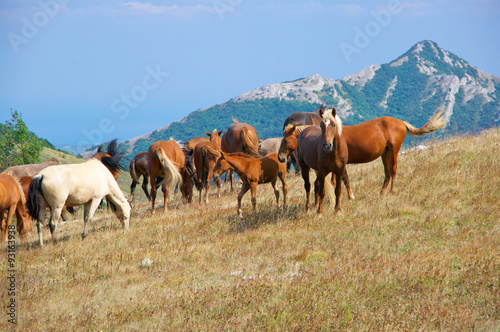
x: 253, y: 188
x: 23, y: 221
x: 320, y: 180
x: 40, y: 219
x: 338, y: 189
x: 389, y: 160
x: 274, y: 184
x: 152, y: 180
x: 64, y: 215
x: 165, y: 189
x: 145, y: 187
x: 54, y: 220
x: 244, y: 189
x: 231, y: 178
x: 284, y: 187
x: 5, y: 223
x: 132, y: 189
x: 210, y: 174
x: 88, y: 213
x: 218, y: 187
x: 347, y: 184
x: 307, y: 185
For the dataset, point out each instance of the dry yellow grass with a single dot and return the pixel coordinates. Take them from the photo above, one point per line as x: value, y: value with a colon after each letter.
x: 426, y: 258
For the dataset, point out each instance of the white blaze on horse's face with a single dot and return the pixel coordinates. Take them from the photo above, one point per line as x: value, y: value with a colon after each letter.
x: 328, y: 133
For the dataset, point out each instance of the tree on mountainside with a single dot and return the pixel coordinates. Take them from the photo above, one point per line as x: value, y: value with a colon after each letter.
x: 17, y: 144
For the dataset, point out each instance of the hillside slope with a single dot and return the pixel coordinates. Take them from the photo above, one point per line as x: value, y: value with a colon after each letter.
x: 426, y: 258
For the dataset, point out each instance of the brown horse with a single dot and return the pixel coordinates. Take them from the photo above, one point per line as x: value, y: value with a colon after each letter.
x: 323, y: 149
x: 205, y: 162
x: 166, y: 160
x: 29, y: 169
x: 111, y: 158
x: 240, y: 137
x: 254, y: 171
x: 139, y: 166
x: 12, y: 200
x: 380, y: 137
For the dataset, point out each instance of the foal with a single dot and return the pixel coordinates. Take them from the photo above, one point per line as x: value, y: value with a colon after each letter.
x: 252, y: 172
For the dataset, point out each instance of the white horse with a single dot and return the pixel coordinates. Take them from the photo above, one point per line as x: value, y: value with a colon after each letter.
x: 73, y: 185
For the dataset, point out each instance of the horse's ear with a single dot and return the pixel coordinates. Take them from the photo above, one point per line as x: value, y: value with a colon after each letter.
x: 334, y: 112
x: 321, y: 111
x: 208, y: 134
x: 220, y: 132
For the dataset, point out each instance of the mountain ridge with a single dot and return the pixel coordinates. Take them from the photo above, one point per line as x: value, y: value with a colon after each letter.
x: 412, y: 87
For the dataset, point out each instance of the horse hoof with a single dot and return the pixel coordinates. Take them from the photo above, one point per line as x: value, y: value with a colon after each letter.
x: 84, y: 235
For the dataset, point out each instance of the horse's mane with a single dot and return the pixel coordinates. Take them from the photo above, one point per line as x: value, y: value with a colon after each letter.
x: 241, y: 154
x: 328, y: 115
x: 298, y: 129
x: 176, y: 141
x: 235, y: 121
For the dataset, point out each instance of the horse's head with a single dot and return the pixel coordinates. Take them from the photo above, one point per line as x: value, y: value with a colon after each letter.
x: 215, y: 136
x: 221, y: 167
x: 331, y: 127
x: 289, y: 143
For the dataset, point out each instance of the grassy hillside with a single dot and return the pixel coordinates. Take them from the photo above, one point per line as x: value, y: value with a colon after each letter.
x: 63, y: 157
x: 426, y: 258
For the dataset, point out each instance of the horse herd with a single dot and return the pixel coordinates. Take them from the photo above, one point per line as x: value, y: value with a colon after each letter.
x: 313, y: 140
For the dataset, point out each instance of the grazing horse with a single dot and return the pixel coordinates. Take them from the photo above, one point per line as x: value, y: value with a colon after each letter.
x: 12, y: 200
x: 111, y: 158
x: 323, y: 149
x: 189, y: 150
x: 73, y: 185
x: 254, y: 171
x: 380, y: 137
x: 29, y: 169
x: 205, y: 162
x: 167, y: 161
x: 240, y: 137
x: 139, y: 166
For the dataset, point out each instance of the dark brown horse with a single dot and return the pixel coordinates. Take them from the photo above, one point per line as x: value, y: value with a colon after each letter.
x: 139, y: 166
x: 111, y: 158
x: 205, y: 162
x: 254, y: 171
x: 12, y: 201
x: 303, y: 119
x: 380, y: 137
x: 323, y: 149
x: 167, y: 160
x: 240, y: 137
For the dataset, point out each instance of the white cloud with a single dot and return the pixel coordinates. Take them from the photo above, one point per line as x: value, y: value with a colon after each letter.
x: 145, y: 8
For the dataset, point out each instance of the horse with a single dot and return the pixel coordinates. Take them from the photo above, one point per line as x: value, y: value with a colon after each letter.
x: 167, y: 161
x: 323, y: 149
x: 252, y: 172
x: 73, y: 185
x: 270, y: 145
x: 188, y: 148
x: 12, y: 200
x: 380, y: 137
x: 139, y: 166
x: 111, y: 158
x: 303, y: 119
x: 29, y: 169
x: 240, y: 137
x: 205, y: 163
x: 25, y: 182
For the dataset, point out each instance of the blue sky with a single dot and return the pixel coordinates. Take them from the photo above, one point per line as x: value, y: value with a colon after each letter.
x: 88, y: 71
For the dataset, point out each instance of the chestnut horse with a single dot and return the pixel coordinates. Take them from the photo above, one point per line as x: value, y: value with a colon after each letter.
x: 240, y: 137
x: 139, y: 166
x: 205, y: 162
x: 380, y: 137
x: 12, y: 200
x: 252, y: 172
x: 323, y: 149
x: 111, y: 158
x: 73, y: 185
x: 167, y: 161
x: 29, y: 169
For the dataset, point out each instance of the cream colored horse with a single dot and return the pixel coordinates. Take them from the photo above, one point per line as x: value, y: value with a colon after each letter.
x: 73, y: 185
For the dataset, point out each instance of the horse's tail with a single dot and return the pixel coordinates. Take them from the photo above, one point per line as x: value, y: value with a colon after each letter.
x: 131, y: 170
x: 34, y: 193
x: 171, y: 172
x: 437, y: 122
x: 250, y: 143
